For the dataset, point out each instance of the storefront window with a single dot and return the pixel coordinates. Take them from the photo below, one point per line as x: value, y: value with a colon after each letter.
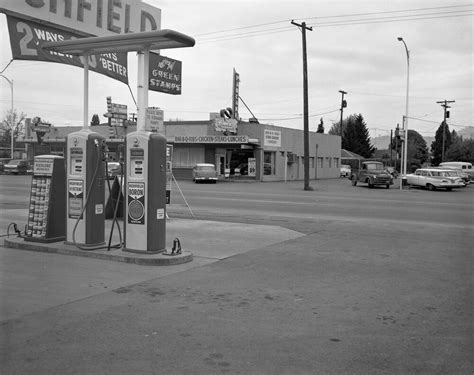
x: 268, y: 163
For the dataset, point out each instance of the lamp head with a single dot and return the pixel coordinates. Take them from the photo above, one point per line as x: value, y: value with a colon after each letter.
x: 400, y: 38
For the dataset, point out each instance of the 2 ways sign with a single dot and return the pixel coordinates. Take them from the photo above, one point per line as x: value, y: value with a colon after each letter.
x: 33, y: 22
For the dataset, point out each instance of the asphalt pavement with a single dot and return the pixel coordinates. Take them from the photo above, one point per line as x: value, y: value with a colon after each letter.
x: 343, y: 298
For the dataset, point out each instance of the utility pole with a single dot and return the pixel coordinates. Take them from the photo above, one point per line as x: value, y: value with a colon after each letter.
x: 303, y: 28
x: 444, y: 104
x: 343, y: 105
x: 391, y: 146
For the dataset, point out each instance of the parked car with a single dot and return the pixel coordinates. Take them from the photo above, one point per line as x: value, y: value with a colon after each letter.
x: 204, y: 172
x: 16, y: 166
x: 2, y: 164
x: 345, y: 170
x: 113, y: 169
x: 433, y: 178
x: 372, y: 173
x: 458, y: 172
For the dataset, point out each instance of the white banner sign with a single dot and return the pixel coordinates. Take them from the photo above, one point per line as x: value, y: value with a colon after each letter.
x: 272, y: 138
x: 155, y: 120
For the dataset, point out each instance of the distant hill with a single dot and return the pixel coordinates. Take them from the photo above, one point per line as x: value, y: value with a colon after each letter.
x: 466, y: 133
x: 383, y: 142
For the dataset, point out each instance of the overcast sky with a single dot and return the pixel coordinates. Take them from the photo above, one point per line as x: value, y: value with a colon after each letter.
x: 353, y: 47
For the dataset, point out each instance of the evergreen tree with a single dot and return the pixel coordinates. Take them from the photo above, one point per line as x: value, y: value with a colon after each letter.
x: 356, y: 136
x: 461, y: 150
x: 336, y: 128
x: 417, y: 150
x: 437, y: 144
x: 320, y: 126
x: 95, y: 120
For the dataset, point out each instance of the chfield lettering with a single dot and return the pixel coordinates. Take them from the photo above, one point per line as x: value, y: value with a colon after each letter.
x: 94, y: 17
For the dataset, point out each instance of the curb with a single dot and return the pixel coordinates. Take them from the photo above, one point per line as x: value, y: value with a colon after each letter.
x: 116, y: 255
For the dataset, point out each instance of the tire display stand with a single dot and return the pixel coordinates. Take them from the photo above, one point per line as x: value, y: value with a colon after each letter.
x: 47, y: 210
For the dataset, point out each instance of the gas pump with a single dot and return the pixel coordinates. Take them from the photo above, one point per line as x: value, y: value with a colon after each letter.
x: 85, y: 219
x: 145, y: 192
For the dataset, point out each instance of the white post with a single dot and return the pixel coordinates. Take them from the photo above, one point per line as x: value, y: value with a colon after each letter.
x: 405, y: 146
x: 142, y: 88
x: 13, y: 128
x: 85, y: 109
x: 405, y: 122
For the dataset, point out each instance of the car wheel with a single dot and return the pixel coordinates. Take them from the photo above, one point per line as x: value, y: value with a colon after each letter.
x: 431, y: 187
x: 371, y: 185
x: 449, y: 189
x: 387, y: 186
x: 354, y: 181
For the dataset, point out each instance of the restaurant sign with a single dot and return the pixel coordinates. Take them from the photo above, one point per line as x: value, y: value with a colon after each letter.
x: 211, y: 139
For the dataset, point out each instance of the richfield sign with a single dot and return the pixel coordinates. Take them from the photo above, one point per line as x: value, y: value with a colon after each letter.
x: 90, y: 17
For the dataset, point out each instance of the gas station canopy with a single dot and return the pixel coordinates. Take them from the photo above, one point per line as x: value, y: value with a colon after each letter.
x: 144, y: 41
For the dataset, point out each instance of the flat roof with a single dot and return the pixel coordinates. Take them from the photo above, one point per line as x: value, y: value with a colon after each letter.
x: 149, y: 40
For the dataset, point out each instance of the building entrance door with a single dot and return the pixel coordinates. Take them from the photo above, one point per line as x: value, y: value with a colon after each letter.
x: 220, y: 164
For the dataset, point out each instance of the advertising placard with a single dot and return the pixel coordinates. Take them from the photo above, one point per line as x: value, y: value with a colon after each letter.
x: 272, y: 138
x: 154, y: 120
x: 164, y: 74
x: 136, y: 202
x: 26, y: 38
x: 75, y: 198
x: 252, y: 164
x: 224, y: 125
x: 169, y: 172
x: 43, y: 167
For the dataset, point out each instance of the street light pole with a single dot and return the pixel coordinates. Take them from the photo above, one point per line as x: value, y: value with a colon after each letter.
x: 405, y: 118
x: 10, y: 82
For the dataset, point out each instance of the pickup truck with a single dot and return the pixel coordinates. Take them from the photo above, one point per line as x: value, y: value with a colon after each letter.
x: 372, y: 173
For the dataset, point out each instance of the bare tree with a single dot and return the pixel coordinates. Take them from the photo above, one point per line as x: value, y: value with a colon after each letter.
x: 14, y: 121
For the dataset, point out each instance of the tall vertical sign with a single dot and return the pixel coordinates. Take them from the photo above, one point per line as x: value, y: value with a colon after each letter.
x: 235, y: 95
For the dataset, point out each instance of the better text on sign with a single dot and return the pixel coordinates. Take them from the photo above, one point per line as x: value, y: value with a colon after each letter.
x: 26, y: 38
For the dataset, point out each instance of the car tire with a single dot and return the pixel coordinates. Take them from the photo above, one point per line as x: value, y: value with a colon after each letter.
x: 431, y: 187
x: 449, y: 189
x: 371, y: 185
x: 387, y: 186
x: 354, y: 181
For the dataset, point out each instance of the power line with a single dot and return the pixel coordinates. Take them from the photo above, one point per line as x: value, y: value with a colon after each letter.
x: 352, y: 21
x: 301, y: 116
x: 335, y: 16
x: 391, y: 11
x: 387, y: 19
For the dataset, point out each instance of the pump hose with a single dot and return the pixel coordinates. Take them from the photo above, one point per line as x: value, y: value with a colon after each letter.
x: 85, y: 206
x: 117, y: 204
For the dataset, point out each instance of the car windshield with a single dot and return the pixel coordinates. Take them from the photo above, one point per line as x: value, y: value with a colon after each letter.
x: 451, y: 174
x: 205, y: 168
x: 375, y: 166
